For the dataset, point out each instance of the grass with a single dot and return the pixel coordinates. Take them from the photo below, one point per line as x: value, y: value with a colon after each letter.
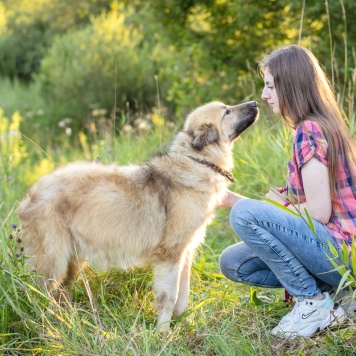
x: 112, y: 312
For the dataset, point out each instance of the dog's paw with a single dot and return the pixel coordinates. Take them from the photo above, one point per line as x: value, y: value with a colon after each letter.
x: 163, y: 328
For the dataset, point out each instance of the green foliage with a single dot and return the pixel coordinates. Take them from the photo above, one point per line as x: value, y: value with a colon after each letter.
x: 28, y: 28
x: 230, y: 33
x: 12, y: 156
x: 15, y: 95
x: 100, y: 66
x: 112, y: 312
x: 224, y: 41
x: 198, y: 51
x: 344, y: 262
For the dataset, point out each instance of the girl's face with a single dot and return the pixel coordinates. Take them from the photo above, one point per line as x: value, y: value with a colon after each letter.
x: 269, y: 92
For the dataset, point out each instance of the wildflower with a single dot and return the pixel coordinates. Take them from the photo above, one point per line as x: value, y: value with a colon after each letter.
x: 14, y: 226
x: 9, y: 177
x: 127, y: 128
x: 11, y: 237
x: 65, y: 122
x: 99, y: 112
x: 19, y: 240
x: 143, y: 125
x: 19, y: 255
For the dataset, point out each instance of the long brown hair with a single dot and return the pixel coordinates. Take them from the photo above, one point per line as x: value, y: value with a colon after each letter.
x: 305, y: 93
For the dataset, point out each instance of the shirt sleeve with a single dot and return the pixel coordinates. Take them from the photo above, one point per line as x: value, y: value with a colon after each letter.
x: 310, y: 142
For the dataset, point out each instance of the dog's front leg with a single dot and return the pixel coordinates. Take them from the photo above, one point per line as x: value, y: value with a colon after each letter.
x: 184, y: 283
x: 166, y: 281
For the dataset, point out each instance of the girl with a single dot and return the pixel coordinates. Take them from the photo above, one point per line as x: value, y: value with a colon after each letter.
x: 279, y: 249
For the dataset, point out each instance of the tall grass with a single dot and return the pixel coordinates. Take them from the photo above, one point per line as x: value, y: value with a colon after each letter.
x: 112, y: 312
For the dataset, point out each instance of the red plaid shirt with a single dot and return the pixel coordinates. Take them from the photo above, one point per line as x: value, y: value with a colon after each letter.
x: 309, y: 142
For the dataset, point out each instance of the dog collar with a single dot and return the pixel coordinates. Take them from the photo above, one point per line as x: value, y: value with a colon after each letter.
x: 214, y: 167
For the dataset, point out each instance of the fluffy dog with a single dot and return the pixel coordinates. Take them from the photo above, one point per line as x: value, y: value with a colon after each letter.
x: 154, y: 213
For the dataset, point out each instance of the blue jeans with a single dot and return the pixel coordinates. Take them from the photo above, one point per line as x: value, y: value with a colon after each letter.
x: 278, y: 250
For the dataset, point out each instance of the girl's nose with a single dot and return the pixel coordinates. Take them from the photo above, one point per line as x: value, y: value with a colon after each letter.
x: 264, y: 95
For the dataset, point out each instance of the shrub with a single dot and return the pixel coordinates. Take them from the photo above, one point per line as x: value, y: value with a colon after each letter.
x: 95, y: 67
x: 27, y: 29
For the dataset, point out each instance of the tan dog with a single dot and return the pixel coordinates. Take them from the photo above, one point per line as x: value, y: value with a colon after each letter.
x: 153, y: 213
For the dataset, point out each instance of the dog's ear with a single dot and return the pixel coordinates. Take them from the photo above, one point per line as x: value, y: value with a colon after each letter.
x: 204, y: 136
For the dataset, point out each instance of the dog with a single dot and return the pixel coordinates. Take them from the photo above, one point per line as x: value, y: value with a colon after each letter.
x: 154, y: 213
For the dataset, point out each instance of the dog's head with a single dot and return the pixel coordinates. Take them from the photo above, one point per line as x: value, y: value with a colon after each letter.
x: 216, y: 122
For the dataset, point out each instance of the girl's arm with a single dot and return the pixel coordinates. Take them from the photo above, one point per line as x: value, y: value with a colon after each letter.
x: 317, y: 190
x: 230, y: 199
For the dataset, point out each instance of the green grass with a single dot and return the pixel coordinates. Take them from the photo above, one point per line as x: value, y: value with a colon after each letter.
x: 112, y: 312
x: 16, y: 96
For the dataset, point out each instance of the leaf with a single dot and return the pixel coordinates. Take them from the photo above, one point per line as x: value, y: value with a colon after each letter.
x: 333, y: 249
x: 281, y: 206
x: 310, y: 221
x: 199, y: 305
x: 336, y: 265
x: 329, y: 340
x: 253, y: 297
x: 30, y: 286
x: 342, y: 282
x: 353, y: 255
x: 345, y: 258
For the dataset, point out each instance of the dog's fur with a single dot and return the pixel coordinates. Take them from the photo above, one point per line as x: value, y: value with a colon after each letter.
x: 153, y: 213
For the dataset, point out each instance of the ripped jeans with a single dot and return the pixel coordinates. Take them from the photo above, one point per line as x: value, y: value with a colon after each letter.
x: 278, y: 250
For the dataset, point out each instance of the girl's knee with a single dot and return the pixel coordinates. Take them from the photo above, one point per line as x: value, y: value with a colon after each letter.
x: 232, y: 257
x: 225, y: 261
x: 244, y: 211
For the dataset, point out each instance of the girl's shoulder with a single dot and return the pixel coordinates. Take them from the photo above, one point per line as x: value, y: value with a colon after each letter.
x: 309, y: 142
x: 308, y: 130
x: 309, y: 126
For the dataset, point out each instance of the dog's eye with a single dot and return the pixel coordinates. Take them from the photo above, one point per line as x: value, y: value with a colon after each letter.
x: 227, y: 112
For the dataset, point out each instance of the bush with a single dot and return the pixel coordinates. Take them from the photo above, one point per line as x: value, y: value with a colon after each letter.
x: 91, y: 68
x: 27, y: 29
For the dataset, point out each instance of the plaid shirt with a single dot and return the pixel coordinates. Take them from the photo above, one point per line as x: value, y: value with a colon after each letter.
x: 309, y: 142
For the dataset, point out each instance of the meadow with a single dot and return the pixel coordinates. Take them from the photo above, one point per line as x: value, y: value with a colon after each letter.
x: 112, y: 313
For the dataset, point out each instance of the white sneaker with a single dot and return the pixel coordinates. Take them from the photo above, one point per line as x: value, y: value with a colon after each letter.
x: 347, y: 300
x: 308, y: 317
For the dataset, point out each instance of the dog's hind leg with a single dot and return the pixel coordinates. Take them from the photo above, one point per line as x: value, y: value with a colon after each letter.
x: 51, y: 258
x: 166, y: 281
x: 75, y: 265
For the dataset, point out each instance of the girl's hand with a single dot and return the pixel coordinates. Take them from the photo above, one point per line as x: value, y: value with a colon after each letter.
x: 230, y: 199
